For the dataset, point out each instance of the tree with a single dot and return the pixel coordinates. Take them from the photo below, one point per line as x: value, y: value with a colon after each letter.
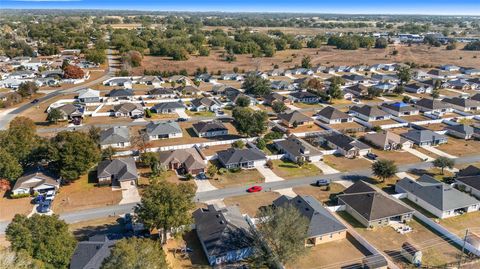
x: 435, y: 93
x: 54, y: 116
x: 166, y: 206
x: 249, y: 122
x: 108, y: 153
x: 444, y: 162
x: 44, y: 238
x: 256, y: 85
x: 97, y: 56
x: 384, y: 169
x: 212, y: 170
x: 242, y: 101
x: 372, y: 92
x: 132, y: 58
x: 28, y: 88
x: 334, y: 91
x: 73, y: 72
x: 399, y: 90
x: 406, y: 99
x: 21, y: 260
x: 306, y: 61
x: 280, y: 235
x: 239, y: 144
x: 279, y: 107
x: 20, y: 140
x: 94, y: 133
x: 261, y: 144
x: 150, y: 159
x: 381, y: 43
x: 73, y: 154
x: 9, y: 166
x: 404, y: 73
x: 136, y: 253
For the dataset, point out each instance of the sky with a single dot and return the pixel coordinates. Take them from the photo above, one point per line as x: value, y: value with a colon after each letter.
x: 441, y: 7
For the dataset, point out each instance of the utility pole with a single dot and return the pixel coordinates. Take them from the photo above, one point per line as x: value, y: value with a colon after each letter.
x: 463, y: 249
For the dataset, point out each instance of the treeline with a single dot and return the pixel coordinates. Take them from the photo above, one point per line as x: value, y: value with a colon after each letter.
x: 351, y: 42
x: 472, y: 46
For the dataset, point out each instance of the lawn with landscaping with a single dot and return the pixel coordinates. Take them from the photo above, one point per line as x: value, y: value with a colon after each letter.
x: 226, y: 178
x: 288, y: 170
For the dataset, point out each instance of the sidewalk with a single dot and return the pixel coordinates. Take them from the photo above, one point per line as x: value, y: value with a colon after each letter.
x: 419, y: 154
x: 439, y: 152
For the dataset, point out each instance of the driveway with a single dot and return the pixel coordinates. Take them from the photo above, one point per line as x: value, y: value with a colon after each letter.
x: 183, y: 114
x: 419, y: 154
x: 292, y: 107
x: 130, y: 195
x: 326, y: 169
x: 270, y: 176
x: 439, y: 152
x: 204, y: 185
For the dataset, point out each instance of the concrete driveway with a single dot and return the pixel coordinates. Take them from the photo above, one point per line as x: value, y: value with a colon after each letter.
x: 419, y: 154
x: 439, y: 152
x: 270, y: 176
x: 130, y: 195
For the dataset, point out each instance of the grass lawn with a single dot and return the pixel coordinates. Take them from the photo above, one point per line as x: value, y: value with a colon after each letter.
x: 458, y: 224
x: 249, y: 203
x: 10, y: 207
x: 344, y: 164
x: 83, y: 194
x: 399, y: 157
x: 304, y: 105
x: 460, y: 147
x: 320, y: 193
x: 239, y: 178
x: 194, y: 259
x: 289, y: 170
x: 200, y: 113
x: 436, y: 251
x: 426, y: 152
x: 332, y: 255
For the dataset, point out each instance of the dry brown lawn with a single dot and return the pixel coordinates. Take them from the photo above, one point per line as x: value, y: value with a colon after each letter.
x: 83, y: 194
x: 212, y: 150
x: 249, y: 203
x: 319, y: 193
x: 326, y: 55
x: 460, y: 147
x: 306, y: 128
x: 344, y: 164
x: 10, y: 207
x: 426, y: 152
x: 383, y: 122
x: 38, y: 112
x: 399, y: 157
x: 289, y: 170
x: 413, y: 118
x: 194, y: 259
x: 458, y: 224
x: 245, y: 178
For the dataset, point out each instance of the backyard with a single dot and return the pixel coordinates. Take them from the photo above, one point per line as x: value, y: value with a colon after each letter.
x: 178, y: 259
x: 288, y: 170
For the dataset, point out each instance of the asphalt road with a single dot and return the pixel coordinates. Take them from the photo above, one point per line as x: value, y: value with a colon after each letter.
x: 116, y: 210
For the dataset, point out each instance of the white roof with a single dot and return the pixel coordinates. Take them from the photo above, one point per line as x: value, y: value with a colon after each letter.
x: 88, y: 93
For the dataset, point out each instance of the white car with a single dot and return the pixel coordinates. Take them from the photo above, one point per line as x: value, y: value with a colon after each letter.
x: 50, y: 195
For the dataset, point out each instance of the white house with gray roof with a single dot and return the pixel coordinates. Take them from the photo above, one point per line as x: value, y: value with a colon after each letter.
x: 296, y: 150
x: 163, y: 130
x: 118, y: 172
x: 323, y: 227
x: 247, y: 158
x: 115, y: 137
x: 369, y: 113
x: 463, y: 104
x: 168, y: 108
x: 440, y: 199
x: 463, y: 131
x: 425, y: 137
x: 332, y: 115
x: 88, y: 96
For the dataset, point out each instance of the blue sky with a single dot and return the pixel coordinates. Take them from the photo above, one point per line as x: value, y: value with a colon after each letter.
x: 466, y: 7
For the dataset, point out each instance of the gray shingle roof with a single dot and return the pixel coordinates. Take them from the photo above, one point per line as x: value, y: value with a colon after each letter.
x: 167, y: 105
x: 321, y: 220
x: 209, y: 126
x: 297, y: 147
x: 234, y: 156
x: 332, y: 113
x: 345, y: 142
x: 440, y: 195
x: 162, y: 128
x: 114, y: 135
x: 204, y: 101
x: 461, y: 128
x: 463, y: 102
x: 294, y: 116
x: 472, y: 181
x: 432, y: 103
x: 419, y: 136
x: 127, y: 107
x: 90, y: 254
x: 369, y: 111
x: 122, y: 169
x: 121, y: 93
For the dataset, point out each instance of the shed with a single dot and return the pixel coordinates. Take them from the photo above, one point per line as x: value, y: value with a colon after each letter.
x: 412, y: 254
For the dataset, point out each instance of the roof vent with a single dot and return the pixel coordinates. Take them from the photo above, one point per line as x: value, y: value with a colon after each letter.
x: 222, y: 222
x: 307, y: 209
x: 218, y: 215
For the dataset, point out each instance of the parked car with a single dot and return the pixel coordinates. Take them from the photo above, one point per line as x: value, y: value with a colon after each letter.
x: 50, y: 195
x: 372, y: 156
x: 202, y: 176
x: 39, y: 199
x: 181, y: 119
x: 137, y: 117
x: 44, y: 207
x: 255, y: 189
x: 322, y: 182
x: 34, y: 101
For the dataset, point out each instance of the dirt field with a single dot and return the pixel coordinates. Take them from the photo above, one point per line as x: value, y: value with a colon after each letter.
x: 82, y: 194
x: 250, y: 203
x: 10, y: 207
x: 326, y: 55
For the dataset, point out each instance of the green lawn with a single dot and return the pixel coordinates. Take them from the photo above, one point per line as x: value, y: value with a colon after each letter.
x: 289, y: 170
x: 237, y: 178
x: 200, y: 113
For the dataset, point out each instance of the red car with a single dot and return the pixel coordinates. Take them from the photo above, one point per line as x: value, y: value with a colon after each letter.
x: 255, y: 189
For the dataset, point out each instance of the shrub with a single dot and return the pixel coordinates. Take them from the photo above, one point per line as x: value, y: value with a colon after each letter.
x: 269, y: 164
x: 21, y: 195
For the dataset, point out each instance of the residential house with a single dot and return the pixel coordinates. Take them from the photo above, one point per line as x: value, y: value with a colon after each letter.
x: 418, y: 88
x: 121, y: 94
x: 462, y: 104
x: 469, y: 184
x: 358, y: 90
x: 115, y: 137
x: 276, y: 72
x: 460, y: 84
x: 438, y: 198
x: 369, y: 113
x: 246, y: 158
x: 88, y: 96
x: 450, y: 68
x: 162, y: 93
x: 463, y: 131
x: 304, y: 97
x: 233, y: 94
x: 188, y: 90
x: 128, y: 110
x: 231, y: 76
x: 297, y: 150
x: 425, y: 137
x: 70, y: 112
x: 150, y: 80
x: 323, y: 226
x: 385, y: 87
x: 52, y: 73
x: 433, y: 106
x: 225, y: 234
x: 120, y: 172
x: 119, y: 81
x: 388, y: 78
x: 294, y: 118
x: 35, y: 181
x: 205, y: 104
x: 205, y: 77
x: 275, y: 97
x: 163, y: 130
x: 476, y: 97
x: 22, y: 74
x: 91, y: 254
x: 209, y: 129
x: 185, y: 161
x: 180, y: 80
x: 332, y: 115
x: 353, y: 79
x: 282, y: 85
x: 168, y: 108
x: 471, y: 71
x: 371, y: 207
x: 442, y: 74
x: 345, y: 145
x: 399, y: 109
x: 387, y: 140
x: 470, y: 170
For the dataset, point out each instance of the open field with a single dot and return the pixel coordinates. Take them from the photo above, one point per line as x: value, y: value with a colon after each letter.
x: 83, y: 194
x: 10, y: 207
x: 288, y: 170
x: 249, y: 203
x: 460, y: 147
x: 326, y: 55
x: 436, y: 251
x: 241, y: 178
x: 344, y: 164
